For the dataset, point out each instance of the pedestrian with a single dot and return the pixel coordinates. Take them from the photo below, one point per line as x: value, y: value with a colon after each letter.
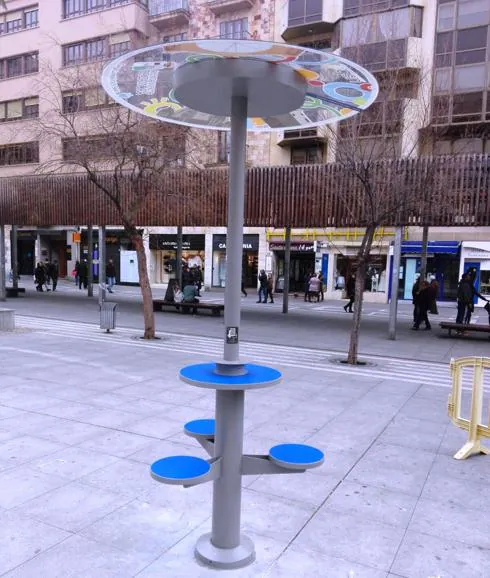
x: 351, y: 293
x: 270, y: 288
x: 172, y: 289
x: 423, y: 301
x: 433, y: 292
x: 314, y: 288
x: 190, y: 296
x: 83, y: 274
x: 76, y: 272
x: 198, y: 279
x: 322, y: 286
x: 470, y: 306
x: 307, y: 284
x: 262, y: 287
x: 54, y: 272
x: 244, y: 292
x: 186, y: 276
x: 110, y: 273
x: 39, y: 277
x: 415, y: 292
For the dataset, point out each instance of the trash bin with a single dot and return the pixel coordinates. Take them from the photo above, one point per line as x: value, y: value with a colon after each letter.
x: 108, y: 315
x: 280, y: 285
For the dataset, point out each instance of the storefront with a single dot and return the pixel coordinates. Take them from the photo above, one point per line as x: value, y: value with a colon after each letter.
x: 302, y: 262
x: 442, y: 264
x: 164, y: 254
x: 475, y: 258
x: 250, y: 260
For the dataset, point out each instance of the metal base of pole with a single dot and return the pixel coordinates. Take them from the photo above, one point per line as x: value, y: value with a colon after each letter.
x: 230, y: 558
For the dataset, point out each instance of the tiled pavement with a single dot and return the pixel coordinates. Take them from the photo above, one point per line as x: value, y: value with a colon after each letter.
x: 80, y: 422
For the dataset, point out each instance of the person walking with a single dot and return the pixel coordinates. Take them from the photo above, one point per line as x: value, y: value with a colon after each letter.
x: 433, y: 292
x: 83, y: 275
x: 198, y: 279
x: 322, y: 295
x: 76, y: 272
x: 270, y: 288
x: 314, y: 288
x: 39, y: 277
x: 54, y: 272
x: 351, y: 293
x: 244, y: 292
x: 423, y: 300
x: 262, y: 287
x: 110, y: 273
x: 464, y: 297
x: 415, y: 292
x: 307, y: 284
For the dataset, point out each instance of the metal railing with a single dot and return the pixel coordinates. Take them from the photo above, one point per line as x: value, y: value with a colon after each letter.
x: 158, y: 7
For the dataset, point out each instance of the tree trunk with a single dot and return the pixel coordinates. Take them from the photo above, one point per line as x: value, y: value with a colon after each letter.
x: 423, y: 255
x: 287, y: 270
x: 145, y: 287
x: 363, y: 260
x: 178, y: 257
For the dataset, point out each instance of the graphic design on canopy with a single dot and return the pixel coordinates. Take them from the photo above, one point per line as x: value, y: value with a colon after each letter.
x: 142, y: 80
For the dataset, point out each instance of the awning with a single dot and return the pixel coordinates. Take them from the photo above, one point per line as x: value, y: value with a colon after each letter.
x: 437, y: 247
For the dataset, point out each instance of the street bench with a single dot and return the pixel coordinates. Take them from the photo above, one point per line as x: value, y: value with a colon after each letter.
x: 464, y: 328
x: 161, y: 305
x: 14, y: 292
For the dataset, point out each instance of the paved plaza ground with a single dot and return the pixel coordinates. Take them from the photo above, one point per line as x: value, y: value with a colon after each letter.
x: 83, y: 415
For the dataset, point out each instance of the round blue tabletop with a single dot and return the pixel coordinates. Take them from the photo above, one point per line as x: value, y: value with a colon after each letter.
x: 179, y: 469
x: 296, y: 456
x: 204, y: 375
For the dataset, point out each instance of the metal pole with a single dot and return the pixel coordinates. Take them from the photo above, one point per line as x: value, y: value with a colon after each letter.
x: 397, y: 253
x: 90, y: 260
x: 14, y: 258
x: 102, y: 264
x: 234, y: 238
x: 423, y: 255
x: 227, y: 490
x: 3, y: 292
x: 178, y: 256
x: 287, y: 267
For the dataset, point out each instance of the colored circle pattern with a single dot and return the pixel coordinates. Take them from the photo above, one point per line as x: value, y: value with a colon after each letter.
x: 336, y: 88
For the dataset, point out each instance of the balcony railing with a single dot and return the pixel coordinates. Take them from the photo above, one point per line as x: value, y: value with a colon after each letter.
x: 159, y: 7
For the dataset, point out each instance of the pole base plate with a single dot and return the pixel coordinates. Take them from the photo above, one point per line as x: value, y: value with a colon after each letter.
x: 207, y: 553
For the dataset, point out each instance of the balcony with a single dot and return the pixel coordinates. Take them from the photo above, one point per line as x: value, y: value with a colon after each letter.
x: 165, y: 14
x: 311, y: 17
x: 304, y: 137
x: 219, y: 7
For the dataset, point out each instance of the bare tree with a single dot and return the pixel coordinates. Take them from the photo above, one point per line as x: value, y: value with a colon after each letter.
x: 369, y: 148
x: 122, y: 153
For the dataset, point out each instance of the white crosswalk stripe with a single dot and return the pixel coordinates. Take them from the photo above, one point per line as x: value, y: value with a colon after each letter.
x: 406, y: 370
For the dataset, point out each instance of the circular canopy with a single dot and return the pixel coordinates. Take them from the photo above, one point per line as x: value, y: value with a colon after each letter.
x: 145, y: 80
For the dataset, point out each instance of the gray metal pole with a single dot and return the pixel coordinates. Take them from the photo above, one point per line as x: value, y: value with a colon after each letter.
x: 423, y: 255
x: 227, y: 490
x: 14, y: 258
x: 3, y: 292
x: 397, y: 253
x: 234, y: 238
x: 90, y: 238
x: 178, y: 256
x: 287, y: 267
x: 102, y: 264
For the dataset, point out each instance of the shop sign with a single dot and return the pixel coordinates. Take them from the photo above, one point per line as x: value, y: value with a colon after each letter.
x: 298, y: 246
x: 476, y: 253
x: 250, y: 242
x: 169, y: 242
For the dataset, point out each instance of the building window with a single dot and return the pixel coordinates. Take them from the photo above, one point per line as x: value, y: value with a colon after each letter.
x: 304, y: 12
x: 19, y: 109
x: 82, y: 52
x: 175, y: 37
x: 19, y: 20
x: 19, y: 154
x: 87, y: 99
x: 356, y: 7
x: 471, y: 45
x: 19, y: 65
x: 306, y: 155
x: 236, y: 29
x: 72, y: 8
x: 119, y: 49
x: 224, y: 146
x: 473, y: 13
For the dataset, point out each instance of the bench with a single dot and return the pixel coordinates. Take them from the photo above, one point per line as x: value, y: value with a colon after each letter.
x: 182, y: 470
x: 13, y: 292
x: 464, y: 328
x: 200, y: 429
x: 160, y: 304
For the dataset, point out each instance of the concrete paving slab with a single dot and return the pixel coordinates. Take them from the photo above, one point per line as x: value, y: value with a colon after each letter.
x: 23, y: 483
x: 24, y: 448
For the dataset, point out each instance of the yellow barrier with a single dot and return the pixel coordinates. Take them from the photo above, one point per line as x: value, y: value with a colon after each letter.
x: 476, y: 430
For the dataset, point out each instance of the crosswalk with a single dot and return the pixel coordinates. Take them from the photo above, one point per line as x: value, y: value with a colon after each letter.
x: 210, y: 348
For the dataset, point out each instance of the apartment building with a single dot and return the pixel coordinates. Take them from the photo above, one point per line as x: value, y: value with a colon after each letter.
x: 437, y: 49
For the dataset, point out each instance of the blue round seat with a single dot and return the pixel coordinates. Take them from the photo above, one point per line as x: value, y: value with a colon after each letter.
x: 200, y: 428
x: 179, y: 469
x: 296, y: 456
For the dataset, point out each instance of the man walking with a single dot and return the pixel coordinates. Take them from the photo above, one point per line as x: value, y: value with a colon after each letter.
x: 110, y: 272
x: 351, y: 293
x: 54, y: 272
x: 262, y: 287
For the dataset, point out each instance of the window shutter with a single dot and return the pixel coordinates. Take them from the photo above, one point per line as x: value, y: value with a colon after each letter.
x: 118, y: 38
x: 31, y: 101
x: 14, y: 109
x: 11, y: 16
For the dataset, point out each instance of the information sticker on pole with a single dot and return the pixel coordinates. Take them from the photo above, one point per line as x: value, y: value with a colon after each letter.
x: 232, y: 335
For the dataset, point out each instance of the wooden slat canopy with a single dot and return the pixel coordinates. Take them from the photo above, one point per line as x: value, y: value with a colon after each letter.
x: 440, y: 191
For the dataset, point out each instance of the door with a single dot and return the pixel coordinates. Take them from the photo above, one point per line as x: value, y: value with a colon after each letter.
x: 129, y: 267
x: 473, y: 268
